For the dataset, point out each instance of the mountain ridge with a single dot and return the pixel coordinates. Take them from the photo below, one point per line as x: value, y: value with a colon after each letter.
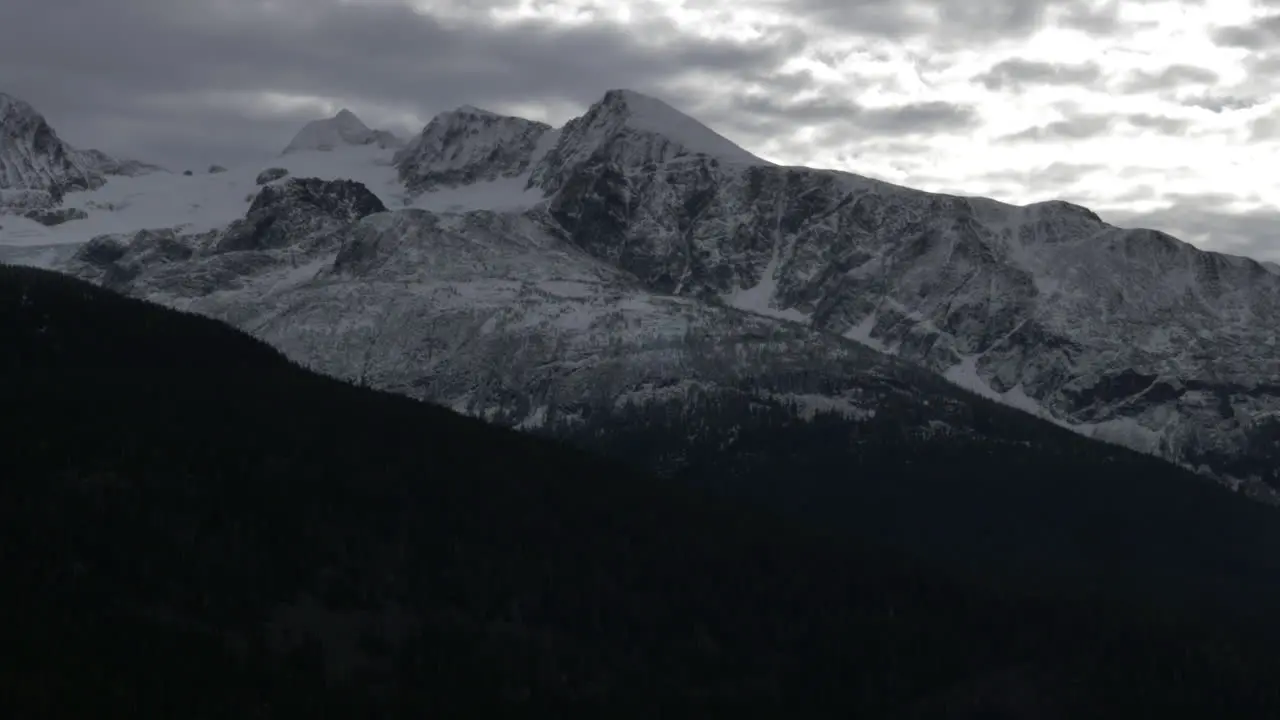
x: 1034, y: 305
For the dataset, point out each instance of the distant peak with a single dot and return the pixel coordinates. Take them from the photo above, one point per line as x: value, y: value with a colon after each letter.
x: 344, y: 128
x: 15, y: 106
x: 473, y: 110
x: 33, y: 157
x: 347, y: 119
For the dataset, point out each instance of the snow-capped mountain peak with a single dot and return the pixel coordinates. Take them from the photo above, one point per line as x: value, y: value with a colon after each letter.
x: 649, y: 114
x: 33, y: 157
x: 343, y: 129
x: 469, y: 145
x: 632, y: 130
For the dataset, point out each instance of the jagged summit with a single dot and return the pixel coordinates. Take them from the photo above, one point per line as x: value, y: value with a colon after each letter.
x: 33, y: 157
x: 343, y: 129
x: 632, y: 130
x: 649, y: 114
x: 470, y: 145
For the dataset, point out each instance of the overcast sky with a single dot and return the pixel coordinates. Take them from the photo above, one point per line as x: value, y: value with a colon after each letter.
x: 1153, y: 113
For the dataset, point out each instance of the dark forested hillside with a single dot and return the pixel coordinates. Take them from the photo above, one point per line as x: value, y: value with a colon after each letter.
x: 995, y: 492
x: 193, y: 527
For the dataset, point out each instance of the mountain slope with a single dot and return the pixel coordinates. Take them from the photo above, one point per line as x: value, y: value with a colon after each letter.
x: 1117, y: 333
x: 491, y: 315
x: 203, y: 527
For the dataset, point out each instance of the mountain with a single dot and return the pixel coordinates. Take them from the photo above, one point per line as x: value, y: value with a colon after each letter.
x: 33, y: 157
x: 492, y: 315
x: 627, y: 129
x: 38, y: 168
x: 1125, y: 335
x: 340, y: 130
x: 199, y: 523
x: 469, y: 145
x: 1117, y: 333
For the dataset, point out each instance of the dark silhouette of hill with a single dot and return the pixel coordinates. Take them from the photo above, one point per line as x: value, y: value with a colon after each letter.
x: 194, y: 527
x: 992, y: 491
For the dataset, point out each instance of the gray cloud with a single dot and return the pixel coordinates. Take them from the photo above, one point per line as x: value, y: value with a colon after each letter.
x: 1162, y: 123
x: 1170, y: 78
x: 1203, y: 220
x: 917, y: 118
x: 1265, y: 128
x: 113, y: 60
x: 1074, y: 128
x: 1017, y: 73
x: 1101, y: 20
x: 1261, y: 34
x: 843, y: 116
x: 1222, y: 103
x: 956, y: 23
x: 1050, y: 177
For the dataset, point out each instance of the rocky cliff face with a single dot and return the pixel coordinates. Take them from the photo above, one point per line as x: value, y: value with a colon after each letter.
x: 486, y: 312
x: 470, y: 145
x: 33, y: 157
x: 1129, y: 335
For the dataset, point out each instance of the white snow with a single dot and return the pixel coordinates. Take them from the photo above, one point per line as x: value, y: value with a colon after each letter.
x: 206, y: 201
x: 862, y: 333
x: 652, y: 115
x: 1125, y: 432
x: 965, y: 374
x: 759, y: 298
x: 199, y: 202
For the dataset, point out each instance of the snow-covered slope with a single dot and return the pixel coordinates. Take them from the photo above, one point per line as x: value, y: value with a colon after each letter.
x: 341, y: 130
x: 490, y: 313
x: 197, y: 202
x: 200, y: 202
x: 469, y: 146
x: 1126, y: 335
